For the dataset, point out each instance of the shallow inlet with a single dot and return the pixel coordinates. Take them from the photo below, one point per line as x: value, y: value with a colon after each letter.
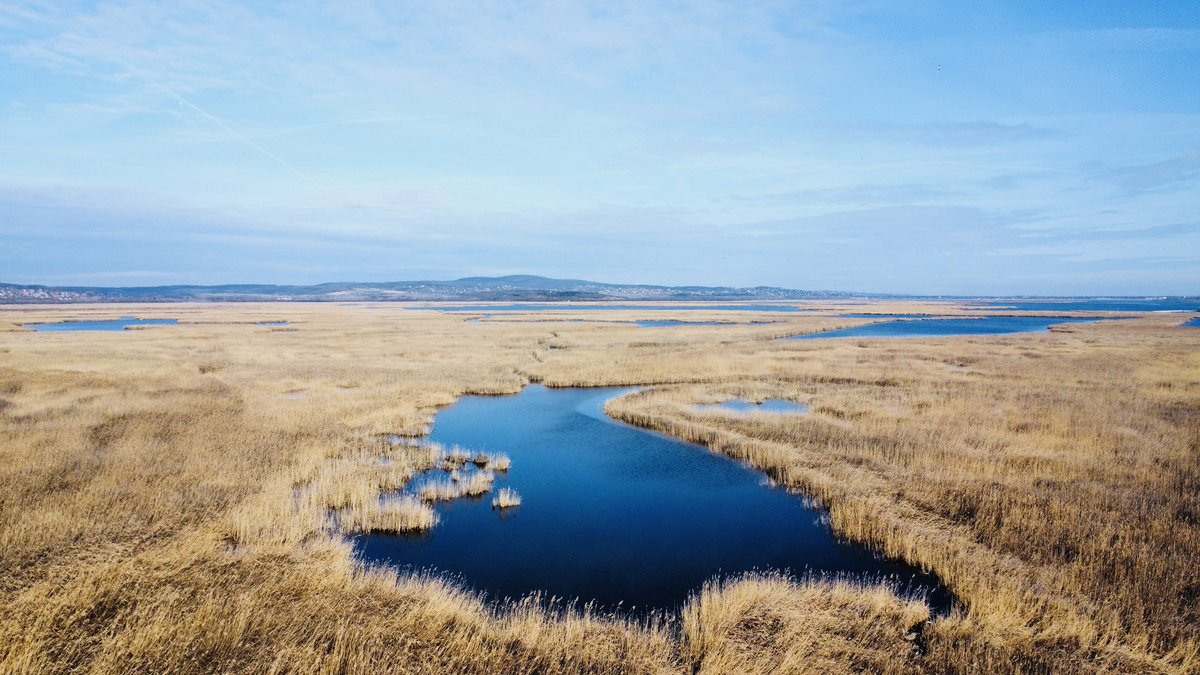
x: 117, y: 325
x: 927, y: 328
x: 1194, y: 323
x: 617, y: 515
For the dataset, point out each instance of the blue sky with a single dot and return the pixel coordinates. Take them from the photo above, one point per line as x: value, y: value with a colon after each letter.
x: 962, y: 148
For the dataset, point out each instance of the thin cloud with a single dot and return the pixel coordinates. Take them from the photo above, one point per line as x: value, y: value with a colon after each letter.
x: 1174, y: 173
x: 735, y: 143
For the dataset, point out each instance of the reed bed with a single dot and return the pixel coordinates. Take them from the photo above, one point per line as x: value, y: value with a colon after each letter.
x: 403, y: 514
x: 472, y: 484
x: 173, y: 499
x: 769, y: 623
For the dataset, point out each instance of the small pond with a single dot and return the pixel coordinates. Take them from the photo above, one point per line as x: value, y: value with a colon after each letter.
x: 1194, y: 323
x: 741, y: 406
x: 615, y: 514
x: 926, y: 328
x: 117, y: 325
x: 272, y: 324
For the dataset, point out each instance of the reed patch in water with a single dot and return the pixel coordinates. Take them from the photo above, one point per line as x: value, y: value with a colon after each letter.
x: 506, y: 498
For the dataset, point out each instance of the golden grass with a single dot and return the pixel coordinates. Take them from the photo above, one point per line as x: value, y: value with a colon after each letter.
x: 472, y: 484
x: 455, y: 458
x: 506, y: 498
x: 402, y: 514
x: 492, y: 461
x: 173, y: 499
x: 1051, y: 487
x: 770, y: 624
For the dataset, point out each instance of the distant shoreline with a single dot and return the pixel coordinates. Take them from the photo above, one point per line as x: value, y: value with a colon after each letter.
x: 521, y: 288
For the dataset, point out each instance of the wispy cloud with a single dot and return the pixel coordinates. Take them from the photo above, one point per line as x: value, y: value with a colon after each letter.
x: 760, y: 142
x: 1175, y: 173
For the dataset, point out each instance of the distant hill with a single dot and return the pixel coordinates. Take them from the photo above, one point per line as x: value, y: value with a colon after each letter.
x: 515, y: 287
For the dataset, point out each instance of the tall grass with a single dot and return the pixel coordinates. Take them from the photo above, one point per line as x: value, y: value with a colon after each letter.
x: 472, y: 484
x: 403, y: 514
x: 506, y: 498
x: 166, y: 505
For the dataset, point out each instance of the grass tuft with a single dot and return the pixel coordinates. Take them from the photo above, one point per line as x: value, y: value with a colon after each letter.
x: 506, y: 498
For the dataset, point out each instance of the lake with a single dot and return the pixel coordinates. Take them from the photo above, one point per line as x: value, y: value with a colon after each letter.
x: 1175, y: 304
x: 928, y: 328
x: 117, y: 325
x: 574, y: 307
x: 617, y: 515
x: 659, y: 323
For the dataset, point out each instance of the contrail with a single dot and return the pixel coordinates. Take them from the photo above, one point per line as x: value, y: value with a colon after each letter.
x: 220, y: 123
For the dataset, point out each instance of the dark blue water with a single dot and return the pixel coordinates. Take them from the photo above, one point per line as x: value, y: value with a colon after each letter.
x: 1189, y: 304
x: 614, y: 514
x: 119, y: 324
x: 1194, y: 323
x: 925, y: 328
x: 575, y: 307
x: 777, y: 406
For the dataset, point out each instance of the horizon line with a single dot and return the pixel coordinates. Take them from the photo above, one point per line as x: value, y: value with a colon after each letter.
x: 880, y: 294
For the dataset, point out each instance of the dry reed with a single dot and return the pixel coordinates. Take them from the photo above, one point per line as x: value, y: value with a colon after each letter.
x: 506, y: 498
x: 170, y: 499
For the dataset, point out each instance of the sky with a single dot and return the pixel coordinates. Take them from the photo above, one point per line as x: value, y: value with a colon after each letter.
x: 1022, y: 147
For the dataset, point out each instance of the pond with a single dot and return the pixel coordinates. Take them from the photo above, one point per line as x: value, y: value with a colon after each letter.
x: 741, y: 406
x: 1194, y: 323
x: 617, y: 515
x: 117, y: 325
x: 926, y: 328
